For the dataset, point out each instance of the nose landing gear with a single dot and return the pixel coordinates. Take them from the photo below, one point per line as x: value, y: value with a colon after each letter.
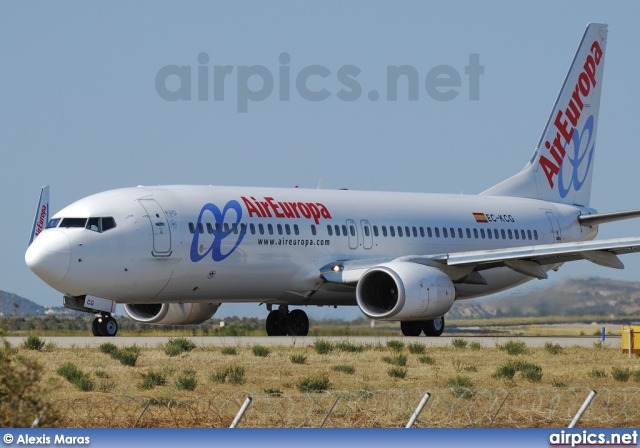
x: 104, y: 325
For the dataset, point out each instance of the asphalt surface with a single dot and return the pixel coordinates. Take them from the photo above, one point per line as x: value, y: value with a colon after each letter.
x: 299, y: 341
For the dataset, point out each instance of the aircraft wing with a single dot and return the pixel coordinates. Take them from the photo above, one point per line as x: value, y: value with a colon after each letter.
x: 528, y: 260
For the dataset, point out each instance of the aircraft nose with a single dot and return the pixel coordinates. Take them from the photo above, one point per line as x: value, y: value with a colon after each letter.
x: 49, y: 256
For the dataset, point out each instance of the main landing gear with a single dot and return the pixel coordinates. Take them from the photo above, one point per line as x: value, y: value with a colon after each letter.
x: 104, y: 325
x: 433, y: 327
x: 281, y: 322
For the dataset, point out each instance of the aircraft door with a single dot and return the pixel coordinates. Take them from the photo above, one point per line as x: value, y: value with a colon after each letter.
x: 555, y: 226
x: 159, y: 227
x: 367, y: 234
x: 352, y: 232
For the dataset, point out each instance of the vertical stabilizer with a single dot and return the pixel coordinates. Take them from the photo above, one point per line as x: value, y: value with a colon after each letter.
x: 42, y: 214
x: 562, y: 164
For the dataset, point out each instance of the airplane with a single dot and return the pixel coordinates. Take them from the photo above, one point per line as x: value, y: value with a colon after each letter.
x: 173, y: 254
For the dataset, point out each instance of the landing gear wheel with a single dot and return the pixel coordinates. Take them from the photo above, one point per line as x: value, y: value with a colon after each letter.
x: 104, y: 326
x: 95, y: 327
x: 273, y: 324
x: 109, y: 327
x: 433, y: 327
x: 411, y: 328
x: 297, y: 323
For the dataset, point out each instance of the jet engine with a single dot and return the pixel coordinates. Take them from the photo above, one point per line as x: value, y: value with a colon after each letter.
x: 171, y: 313
x: 404, y: 291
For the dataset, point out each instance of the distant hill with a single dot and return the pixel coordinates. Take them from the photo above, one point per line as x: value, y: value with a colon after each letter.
x: 588, y: 296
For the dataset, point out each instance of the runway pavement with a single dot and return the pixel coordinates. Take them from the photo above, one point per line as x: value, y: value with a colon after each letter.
x: 299, y: 341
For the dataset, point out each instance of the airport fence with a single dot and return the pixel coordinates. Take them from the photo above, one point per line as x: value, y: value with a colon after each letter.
x: 448, y: 407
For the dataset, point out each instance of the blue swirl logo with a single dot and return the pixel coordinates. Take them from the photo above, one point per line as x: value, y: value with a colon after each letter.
x: 582, y: 149
x: 198, y: 253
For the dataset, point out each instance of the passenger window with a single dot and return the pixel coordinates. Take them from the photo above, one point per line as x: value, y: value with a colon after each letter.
x: 344, y: 229
x: 422, y: 232
x: 375, y: 231
x: 192, y: 228
x: 516, y: 234
x: 460, y: 232
x: 279, y: 229
x: 226, y: 228
x: 384, y: 230
x: 270, y: 229
x: 243, y: 229
x: 468, y: 233
x: 445, y: 233
x: 504, y: 235
x: 489, y: 234
x: 453, y: 232
x: 337, y: 227
x: 296, y: 230
x: 218, y: 228
x: 482, y: 233
x: 200, y: 228
x: 437, y: 231
x: 93, y: 224
x: 353, y: 230
x: 510, y: 234
x: 415, y: 231
x: 524, y: 237
x: 406, y: 231
x: 475, y: 233
x: 399, y: 230
x: 287, y: 229
x: 529, y: 234
x: 234, y: 228
x: 329, y: 231
x: 535, y: 235
x: 366, y: 230
x: 496, y: 234
x: 313, y: 229
x: 252, y: 228
x: 392, y: 230
x: 261, y: 229
x: 209, y: 228
x: 429, y: 234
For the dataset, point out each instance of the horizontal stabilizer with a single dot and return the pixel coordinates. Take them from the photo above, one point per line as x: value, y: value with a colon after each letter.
x: 600, y: 218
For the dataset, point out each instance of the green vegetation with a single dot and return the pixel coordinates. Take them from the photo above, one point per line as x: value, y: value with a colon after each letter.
x: 416, y: 348
x: 426, y: 359
x: 597, y: 373
x: 460, y: 386
x: 553, y: 349
x: 398, y: 360
x: 229, y: 351
x: 234, y: 373
x: 177, y: 346
x: 475, y: 346
x: 322, y: 346
x: 314, y: 383
x: 530, y: 372
x: 127, y: 356
x: 395, y: 345
x: 459, y: 343
x: 260, y: 351
x: 152, y: 379
x: 344, y: 369
x: 298, y: 358
x: 397, y: 372
x: 187, y: 380
x: 621, y: 375
x: 33, y: 343
x: 75, y: 376
x: 514, y: 347
x: 349, y: 347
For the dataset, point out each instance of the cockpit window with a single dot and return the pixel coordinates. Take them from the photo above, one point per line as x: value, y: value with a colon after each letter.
x: 53, y: 223
x: 101, y: 224
x: 73, y: 222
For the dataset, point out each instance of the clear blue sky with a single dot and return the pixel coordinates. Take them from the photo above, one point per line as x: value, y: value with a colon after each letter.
x: 79, y: 108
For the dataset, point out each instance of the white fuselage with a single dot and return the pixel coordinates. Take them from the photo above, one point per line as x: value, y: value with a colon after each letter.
x: 245, y: 244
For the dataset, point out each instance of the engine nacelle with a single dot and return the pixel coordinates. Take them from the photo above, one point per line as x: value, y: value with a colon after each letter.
x: 404, y: 291
x: 171, y: 313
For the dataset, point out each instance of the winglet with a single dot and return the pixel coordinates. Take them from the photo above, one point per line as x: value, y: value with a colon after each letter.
x: 42, y: 214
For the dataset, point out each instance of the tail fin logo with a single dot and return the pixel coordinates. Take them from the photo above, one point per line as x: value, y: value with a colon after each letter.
x: 566, y: 122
